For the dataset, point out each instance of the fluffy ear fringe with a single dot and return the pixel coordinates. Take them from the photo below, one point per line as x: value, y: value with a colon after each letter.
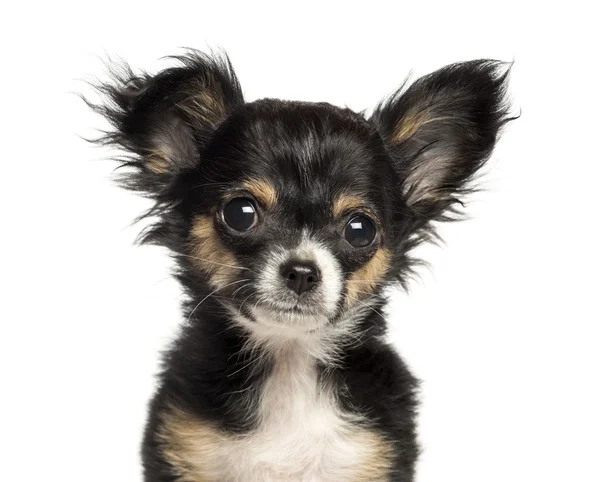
x: 161, y: 122
x: 160, y: 125
x: 441, y: 129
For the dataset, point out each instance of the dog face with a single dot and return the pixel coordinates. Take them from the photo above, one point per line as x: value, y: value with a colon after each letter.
x: 301, y: 197
x: 296, y: 214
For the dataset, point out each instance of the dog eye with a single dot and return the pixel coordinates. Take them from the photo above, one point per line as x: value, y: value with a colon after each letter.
x: 360, y: 231
x: 240, y: 214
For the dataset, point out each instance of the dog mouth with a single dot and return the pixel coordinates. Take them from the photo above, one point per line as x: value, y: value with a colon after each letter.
x: 298, y: 307
x: 300, y: 313
x: 280, y: 304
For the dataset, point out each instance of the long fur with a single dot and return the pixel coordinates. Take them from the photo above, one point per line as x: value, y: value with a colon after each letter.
x: 191, y: 143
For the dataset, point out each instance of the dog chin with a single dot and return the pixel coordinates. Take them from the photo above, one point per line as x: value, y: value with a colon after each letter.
x: 292, y: 320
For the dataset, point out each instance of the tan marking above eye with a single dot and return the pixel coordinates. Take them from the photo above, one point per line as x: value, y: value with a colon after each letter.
x: 369, y: 276
x: 209, y: 254
x: 263, y: 191
x: 345, y: 203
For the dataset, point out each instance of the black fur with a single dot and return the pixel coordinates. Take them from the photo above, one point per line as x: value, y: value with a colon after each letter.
x: 414, y: 159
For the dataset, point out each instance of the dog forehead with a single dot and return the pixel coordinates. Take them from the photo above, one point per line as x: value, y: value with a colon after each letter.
x: 296, y: 155
x: 310, y: 143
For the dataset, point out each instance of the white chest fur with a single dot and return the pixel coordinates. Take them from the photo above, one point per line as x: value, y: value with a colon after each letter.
x: 302, y: 436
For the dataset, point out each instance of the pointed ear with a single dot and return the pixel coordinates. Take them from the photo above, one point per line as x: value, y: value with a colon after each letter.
x: 441, y: 129
x: 163, y: 121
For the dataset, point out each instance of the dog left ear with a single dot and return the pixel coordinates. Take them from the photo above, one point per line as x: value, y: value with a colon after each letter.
x: 164, y: 121
x: 441, y: 129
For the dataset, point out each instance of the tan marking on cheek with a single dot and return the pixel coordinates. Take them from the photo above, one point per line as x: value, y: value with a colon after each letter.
x: 347, y: 202
x: 210, y: 255
x: 191, y: 446
x: 369, y: 276
x: 263, y: 191
x: 377, y: 464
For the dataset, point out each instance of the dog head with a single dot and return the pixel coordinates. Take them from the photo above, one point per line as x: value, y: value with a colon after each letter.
x: 297, y: 214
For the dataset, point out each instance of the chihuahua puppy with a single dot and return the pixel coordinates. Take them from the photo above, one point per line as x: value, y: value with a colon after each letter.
x: 286, y: 221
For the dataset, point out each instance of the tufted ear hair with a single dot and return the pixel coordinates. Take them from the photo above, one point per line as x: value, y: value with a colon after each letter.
x: 163, y: 121
x: 441, y: 129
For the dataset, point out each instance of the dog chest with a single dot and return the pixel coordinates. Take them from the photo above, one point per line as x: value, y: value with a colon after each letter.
x: 302, y: 435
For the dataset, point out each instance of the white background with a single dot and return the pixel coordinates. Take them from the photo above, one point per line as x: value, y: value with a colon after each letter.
x: 503, y: 329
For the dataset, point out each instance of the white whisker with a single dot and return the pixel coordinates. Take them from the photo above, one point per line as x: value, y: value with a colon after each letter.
x: 212, y: 293
x: 218, y: 264
x: 367, y: 306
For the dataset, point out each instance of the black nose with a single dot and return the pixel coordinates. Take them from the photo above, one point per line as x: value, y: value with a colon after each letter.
x: 300, y: 276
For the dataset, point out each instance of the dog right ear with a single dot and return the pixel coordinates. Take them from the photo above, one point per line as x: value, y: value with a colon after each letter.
x: 441, y: 130
x: 163, y: 121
